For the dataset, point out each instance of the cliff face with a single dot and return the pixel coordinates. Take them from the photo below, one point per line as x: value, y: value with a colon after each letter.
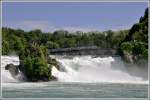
x: 128, y: 57
x: 135, y: 45
x: 21, y: 76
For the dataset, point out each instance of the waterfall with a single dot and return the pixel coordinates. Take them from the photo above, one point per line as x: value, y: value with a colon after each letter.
x: 93, y: 69
x: 6, y: 75
x: 82, y: 69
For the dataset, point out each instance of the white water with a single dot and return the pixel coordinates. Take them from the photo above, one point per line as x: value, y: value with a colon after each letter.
x: 80, y: 69
x: 88, y: 69
x: 5, y: 74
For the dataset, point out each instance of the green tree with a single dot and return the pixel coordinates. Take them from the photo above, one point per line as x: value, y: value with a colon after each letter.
x: 127, y: 46
x: 138, y: 38
x: 35, y: 64
x: 52, y: 45
x: 109, y: 37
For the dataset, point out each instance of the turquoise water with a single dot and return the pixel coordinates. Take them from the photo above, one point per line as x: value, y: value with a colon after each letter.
x: 74, y: 90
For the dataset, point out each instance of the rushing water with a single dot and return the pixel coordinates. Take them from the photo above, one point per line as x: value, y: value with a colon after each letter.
x: 6, y: 75
x: 96, y: 69
x: 79, y: 77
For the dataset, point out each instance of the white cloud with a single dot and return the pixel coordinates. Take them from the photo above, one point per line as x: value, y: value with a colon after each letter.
x: 50, y: 27
x: 83, y: 29
x: 30, y: 25
x: 43, y: 25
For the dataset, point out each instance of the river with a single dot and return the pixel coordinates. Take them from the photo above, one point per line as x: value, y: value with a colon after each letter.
x: 80, y: 77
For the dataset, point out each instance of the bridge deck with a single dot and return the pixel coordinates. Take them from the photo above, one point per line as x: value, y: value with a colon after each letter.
x: 84, y: 51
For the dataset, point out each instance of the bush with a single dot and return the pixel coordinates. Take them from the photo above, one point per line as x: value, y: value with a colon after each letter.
x: 138, y: 48
x: 35, y: 64
x: 127, y: 46
x: 145, y: 53
x: 5, y: 48
x: 135, y: 48
x: 52, y: 45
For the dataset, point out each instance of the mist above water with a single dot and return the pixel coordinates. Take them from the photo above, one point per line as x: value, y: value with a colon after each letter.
x: 97, y: 69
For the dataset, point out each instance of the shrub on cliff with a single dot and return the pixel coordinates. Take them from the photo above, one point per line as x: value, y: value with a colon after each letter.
x: 34, y: 63
x: 135, y: 48
x: 138, y: 48
x: 127, y: 46
x: 37, y: 69
x: 136, y: 42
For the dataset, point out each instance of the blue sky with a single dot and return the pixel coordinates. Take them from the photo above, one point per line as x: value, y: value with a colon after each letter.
x: 85, y: 16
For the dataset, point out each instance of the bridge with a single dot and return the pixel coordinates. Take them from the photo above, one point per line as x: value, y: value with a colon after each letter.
x: 92, y: 50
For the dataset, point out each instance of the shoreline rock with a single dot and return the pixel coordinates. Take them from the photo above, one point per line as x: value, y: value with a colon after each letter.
x: 14, y: 71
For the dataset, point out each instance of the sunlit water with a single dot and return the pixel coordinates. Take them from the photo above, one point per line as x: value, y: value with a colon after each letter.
x: 79, y: 77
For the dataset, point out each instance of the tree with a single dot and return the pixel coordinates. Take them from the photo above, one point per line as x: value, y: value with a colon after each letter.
x: 35, y: 64
x: 137, y: 38
x: 127, y: 46
x: 5, y: 48
x: 70, y: 42
x: 138, y: 48
x: 52, y: 45
x: 109, y: 37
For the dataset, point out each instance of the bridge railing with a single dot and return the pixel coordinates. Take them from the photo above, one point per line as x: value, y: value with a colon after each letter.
x: 84, y: 50
x: 72, y: 49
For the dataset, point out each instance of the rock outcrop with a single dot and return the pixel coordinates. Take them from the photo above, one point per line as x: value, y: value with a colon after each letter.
x: 13, y: 69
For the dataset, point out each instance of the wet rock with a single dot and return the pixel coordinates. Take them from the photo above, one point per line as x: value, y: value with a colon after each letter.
x: 13, y: 69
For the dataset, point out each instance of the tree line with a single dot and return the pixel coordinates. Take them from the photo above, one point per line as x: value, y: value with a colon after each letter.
x: 15, y: 40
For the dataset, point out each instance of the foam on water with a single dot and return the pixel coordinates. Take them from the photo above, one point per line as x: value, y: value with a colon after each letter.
x: 80, y: 69
x: 6, y: 76
x: 71, y: 77
x: 89, y: 69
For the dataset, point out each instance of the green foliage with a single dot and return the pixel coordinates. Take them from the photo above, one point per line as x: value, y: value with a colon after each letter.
x: 127, y: 46
x: 35, y: 63
x: 138, y: 48
x: 5, y: 47
x: 118, y: 37
x: 137, y: 39
x: 52, y: 45
x: 135, y: 48
x: 145, y: 53
x: 36, y: 68
x: 17, y: 40
x: 100, y: 40
x: 11, y: 41
x: 109, y: 35
x: 18, y: 45
x: 70, y: 42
